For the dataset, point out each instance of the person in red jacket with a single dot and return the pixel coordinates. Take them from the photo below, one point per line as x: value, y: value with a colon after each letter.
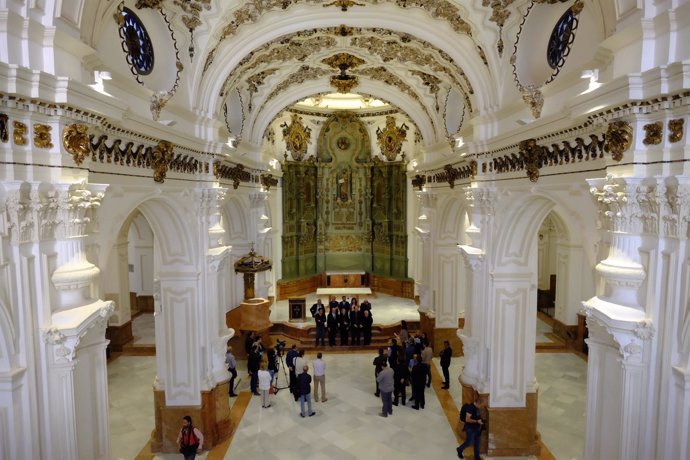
x: 190, y: 439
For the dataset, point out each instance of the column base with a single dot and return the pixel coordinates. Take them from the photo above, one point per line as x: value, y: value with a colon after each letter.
x: 427, y: 323
x: 212, y: 418
x: 510, y: 431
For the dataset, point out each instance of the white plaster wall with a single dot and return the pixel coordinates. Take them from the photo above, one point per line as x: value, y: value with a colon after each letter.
x: 140, y: 255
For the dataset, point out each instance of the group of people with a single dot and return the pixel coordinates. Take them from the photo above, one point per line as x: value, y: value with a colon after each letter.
x: 300, y: 380
x: 346, y: 318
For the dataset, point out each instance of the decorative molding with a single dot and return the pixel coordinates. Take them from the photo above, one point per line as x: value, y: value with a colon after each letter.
x: 390, y: 139
x: 419, y: 181
x: 532, y: 153
x: 75, y: 140
x: 4, y: 128
x: 162, y: 156
x: 675, y: 128
x: 19, y: 133
x: 268, y: 181
x: 42, y: 136
x: 297, y: 137
x: 236, y: 173
x: 619, y: 137
x: 343, y: 4
x: 653, y: 133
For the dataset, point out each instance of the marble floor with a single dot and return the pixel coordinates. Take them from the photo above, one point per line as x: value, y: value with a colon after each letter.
x: 347, y: 426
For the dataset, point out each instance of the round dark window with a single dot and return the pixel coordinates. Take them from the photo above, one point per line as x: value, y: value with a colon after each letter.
x: 136, y: 43
x: 561, y: 39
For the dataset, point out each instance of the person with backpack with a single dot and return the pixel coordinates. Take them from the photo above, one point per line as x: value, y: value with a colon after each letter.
x: 190, y: 439
x: 470, y: 415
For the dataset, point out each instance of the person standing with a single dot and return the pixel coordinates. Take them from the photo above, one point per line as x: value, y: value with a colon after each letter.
x: 332, y: 324
x: 264, y: 385
x: 446, y: 354
x: 471, y: 417
x: 190, y: 439
x: 232, y: 368
x: 290, y: 361
x: 378, y: 363
x: 418, y: 377
x: 386, y: 379
x: 253, y: 362
x: 402, y: 378
x: 305, y: 391
x: 393, y: 353
x: 344, y: 304
x: 366, y: 324
x: 315, y: 308
x: 427, y: 356
x: 355, y: 324
x: 319, y: 378
x: 344, y: 325
x: 320, y: 320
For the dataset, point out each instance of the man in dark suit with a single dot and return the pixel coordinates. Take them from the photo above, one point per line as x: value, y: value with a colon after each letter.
x: 418, y: 378
x: 446, y: 354
x: 332, y: 325
x: 355, y: 325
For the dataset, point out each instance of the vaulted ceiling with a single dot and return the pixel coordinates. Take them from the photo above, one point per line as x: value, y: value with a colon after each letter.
x: 242, y: 63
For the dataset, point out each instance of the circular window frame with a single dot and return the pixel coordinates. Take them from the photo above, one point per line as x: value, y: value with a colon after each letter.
x: 144, y: 63
x: 561, y: 39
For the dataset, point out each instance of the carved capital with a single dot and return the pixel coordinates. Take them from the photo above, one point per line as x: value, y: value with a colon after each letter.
x: 76, y: 208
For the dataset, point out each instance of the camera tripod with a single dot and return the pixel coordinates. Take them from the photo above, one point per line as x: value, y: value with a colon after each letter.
x: 280, y: 363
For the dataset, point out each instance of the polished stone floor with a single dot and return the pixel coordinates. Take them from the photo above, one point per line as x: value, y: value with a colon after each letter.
x: 347, y: 426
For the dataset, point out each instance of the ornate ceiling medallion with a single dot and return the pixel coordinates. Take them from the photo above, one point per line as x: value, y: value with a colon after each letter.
x: 136, y: 42
x: 343, y: 82
x: 390, y: 139
x: 297, y: 137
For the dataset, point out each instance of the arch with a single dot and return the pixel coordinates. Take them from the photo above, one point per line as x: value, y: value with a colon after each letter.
x: 430, y: 133
x: 452, y: 219
x: 235, y: 218
x: 275, y: 24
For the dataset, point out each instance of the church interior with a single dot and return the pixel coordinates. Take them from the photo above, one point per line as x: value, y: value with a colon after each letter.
x: 507, y: 176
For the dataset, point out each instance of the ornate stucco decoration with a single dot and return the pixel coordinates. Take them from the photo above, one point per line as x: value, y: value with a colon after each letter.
x: 305, y: 73
x: 675, y: 128
x: 419, y: 181
x: 531, y: 153
x: 534, y: 98
x: 268, y: 181
x: 390, y: 138
x: 19, y: 133
x: 343, y: 4
x: 162, y: 156
x: 296, y: 137
x: 499, y: 15
x: 430, y: 81
x: 192, y: 19
x: 159, y: 98
x: 252, y: 11
x: 343, y: 62
x: 75, y: 140
x: 235, y: 173
x: 653, y: 133
x: 619, y: 137
x: 42, y: 136
x: 4, y: 130
x: 256, y: 80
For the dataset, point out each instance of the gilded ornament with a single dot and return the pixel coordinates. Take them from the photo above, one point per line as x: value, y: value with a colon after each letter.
x: 533, y: 96
x: 268, y: 181
x: 390, y: 139
x: 344, y: 83
x: 419, y: 181
x: 4, y: 130
x: 19, y: 133
x: 343, y: 4
x: 42, y: 138
x: 619, y: 137
x: 675, y: 128
x: 653, y: 133
x: 75, y: 139
x: 297, y: 137
x: 531, y: 153
x: 162, y: 155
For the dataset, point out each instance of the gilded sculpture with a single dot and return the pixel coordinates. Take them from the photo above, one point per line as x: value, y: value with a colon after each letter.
x: 619, y: 137
x: 75, y: 139
x: 675, y: 128
x: 419, y: 181
x: 42, y: 137
x: 162, y: 155
x: 297, y: 137
x: 531, y: 154
x: 343, y: 82
x: 19, y: 133
x: 4, y: 130
x: 390, y: 139
x: 534, y: 97
x: 268, y: 181
x: 653, y: 133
